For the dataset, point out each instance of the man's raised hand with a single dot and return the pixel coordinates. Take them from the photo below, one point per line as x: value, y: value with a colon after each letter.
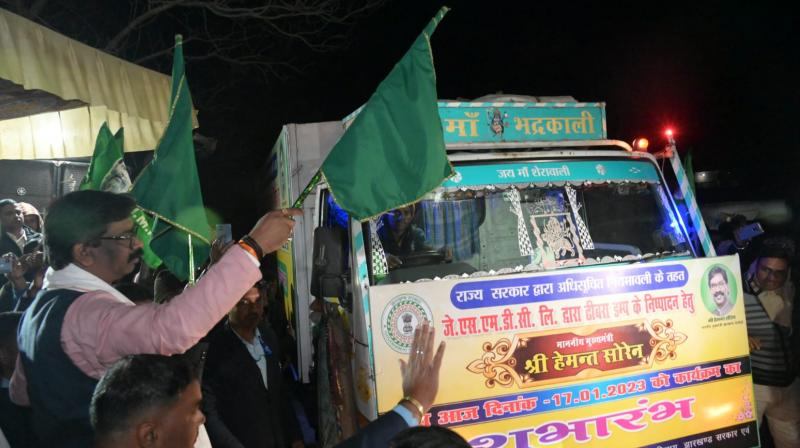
x: 421, y: 371
x: 274, y: 228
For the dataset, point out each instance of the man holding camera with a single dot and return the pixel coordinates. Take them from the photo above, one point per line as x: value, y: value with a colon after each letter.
x: 15, y: 236
x: 18, y: 293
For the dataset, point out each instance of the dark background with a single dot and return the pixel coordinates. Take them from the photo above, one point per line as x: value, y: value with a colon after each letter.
x: 724, y: 75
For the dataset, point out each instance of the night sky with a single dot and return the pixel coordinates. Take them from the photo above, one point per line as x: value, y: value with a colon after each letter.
x: 724, y: 76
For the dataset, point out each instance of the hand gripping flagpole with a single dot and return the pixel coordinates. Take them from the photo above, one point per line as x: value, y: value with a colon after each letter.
x: 689, y: 199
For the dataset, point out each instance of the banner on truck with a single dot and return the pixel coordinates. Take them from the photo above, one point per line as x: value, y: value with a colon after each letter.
x: 649, y: 354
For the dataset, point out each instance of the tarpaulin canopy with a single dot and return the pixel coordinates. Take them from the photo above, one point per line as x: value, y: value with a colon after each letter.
x: 55, y: 93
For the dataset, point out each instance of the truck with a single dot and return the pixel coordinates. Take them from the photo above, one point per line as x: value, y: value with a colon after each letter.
x: 550, y: 240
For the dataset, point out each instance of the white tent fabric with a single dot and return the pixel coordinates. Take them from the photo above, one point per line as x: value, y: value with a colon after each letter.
x: 113, y: 90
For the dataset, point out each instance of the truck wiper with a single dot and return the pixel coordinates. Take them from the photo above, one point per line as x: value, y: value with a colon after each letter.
x: 665, y: 254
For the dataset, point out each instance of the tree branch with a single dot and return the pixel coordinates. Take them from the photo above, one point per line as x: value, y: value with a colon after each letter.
x: 149, y: 14
x: 228, y: 31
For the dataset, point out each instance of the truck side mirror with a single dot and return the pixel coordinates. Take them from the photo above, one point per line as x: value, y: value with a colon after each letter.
x: 328, y: 267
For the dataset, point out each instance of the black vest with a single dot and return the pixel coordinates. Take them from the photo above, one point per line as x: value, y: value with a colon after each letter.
x: 59, y: 391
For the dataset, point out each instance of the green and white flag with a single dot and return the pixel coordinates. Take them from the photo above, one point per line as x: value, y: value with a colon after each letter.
x: 393, y: 153
x: 107, y: 172
x: 169, y: 187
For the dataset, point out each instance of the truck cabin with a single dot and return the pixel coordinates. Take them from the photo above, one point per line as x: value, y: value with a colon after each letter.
x: 594, y: 207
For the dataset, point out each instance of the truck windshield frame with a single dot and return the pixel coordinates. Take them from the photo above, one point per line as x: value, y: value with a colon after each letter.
x: 501, y: 217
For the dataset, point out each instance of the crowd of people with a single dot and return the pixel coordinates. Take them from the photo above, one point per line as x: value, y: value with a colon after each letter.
x: 92, y: 356
x: 84, y: 364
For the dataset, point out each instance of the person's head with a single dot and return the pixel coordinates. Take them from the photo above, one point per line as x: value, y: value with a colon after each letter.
x: 147, y: 401
x: 31, y: 216
x: 400, y: 218
x: 93, y: 229
x: 9, y: 321
x: 718, y: 285
x: 428, y: 437
x: 772, y: 265
x: 248, y: 311
x: 11, y: 217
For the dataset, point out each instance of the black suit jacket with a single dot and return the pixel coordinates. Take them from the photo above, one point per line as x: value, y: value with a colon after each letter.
x: 378, y: 433
x: 240, y: 411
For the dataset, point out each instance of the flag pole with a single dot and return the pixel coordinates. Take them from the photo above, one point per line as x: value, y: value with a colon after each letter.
x: 689, y: 198
x: 306, y: 191
x: 191, y: 259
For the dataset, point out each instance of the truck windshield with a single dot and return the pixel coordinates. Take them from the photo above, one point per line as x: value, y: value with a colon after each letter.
x: 506, y: 228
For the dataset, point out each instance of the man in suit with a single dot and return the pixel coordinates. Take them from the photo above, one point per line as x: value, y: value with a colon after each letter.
x: 245, y: 399
x: 164, y: 407
x: 247, y: 407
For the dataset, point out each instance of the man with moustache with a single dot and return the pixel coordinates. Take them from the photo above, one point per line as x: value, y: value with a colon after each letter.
x: 772, y: 324
x: 244, y: 397
x: 79, y: 325
x: 720, y: 291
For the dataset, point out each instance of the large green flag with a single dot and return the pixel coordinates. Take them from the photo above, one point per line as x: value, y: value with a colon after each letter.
x: 393, y: 153
x: 169, y: 187
x: 107, y: 172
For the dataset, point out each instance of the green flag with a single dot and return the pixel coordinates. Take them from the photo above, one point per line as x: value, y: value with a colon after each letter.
x: 144, y: 231
x: 169, y: 187
x: 393, y: 153
x: 107, y: 172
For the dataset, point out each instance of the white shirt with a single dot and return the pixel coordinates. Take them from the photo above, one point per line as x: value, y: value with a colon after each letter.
x: 19, y: 240
x: 256, y: 351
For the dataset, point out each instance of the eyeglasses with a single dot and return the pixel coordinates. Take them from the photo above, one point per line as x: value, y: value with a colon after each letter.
x: 130, y: 237
x: 777, y: 274
x: 720, y: 284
